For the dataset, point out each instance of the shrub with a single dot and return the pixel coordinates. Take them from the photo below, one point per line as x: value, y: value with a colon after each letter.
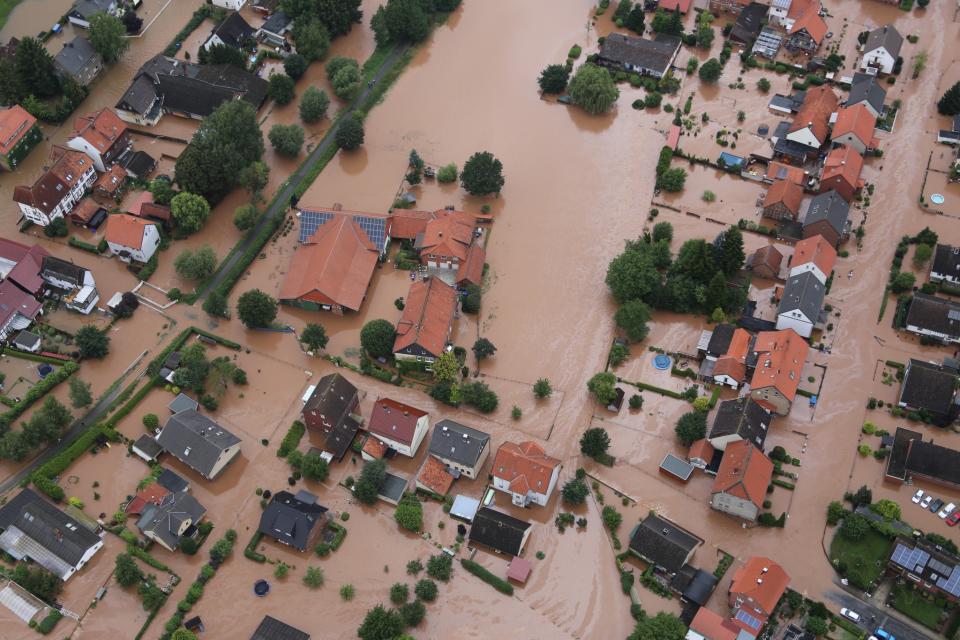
x: 413, y: 613
x: 481, y: 572
x: 280, y: 88
x: 440, y: 567
x: 414, y: 567
x: 151, y: 421
x: 287, y: 140
x: 447, y: 173
x: 399, y: 593
x: 542, y: 388
x: 313, y: 578
x: 409, y: 513
x: 574, y: 492
x: 426, y: 590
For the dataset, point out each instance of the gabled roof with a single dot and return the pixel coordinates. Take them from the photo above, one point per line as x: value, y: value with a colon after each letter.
x: 818, y: 105
x: 291, y: 519
x: 498, y: 531
x: 233, y: 31
x: 525, y: 464
x: 76, y: 55
x: 165, y: 518
x: 946, y: 261
x: 434, y: 475
x: 761, y: 579
x: 749, y: 22
x: 277, y: 23
x: 785, y: 192
x: 153, y: 493
x: 374, y: 448
x: 26, y: 273
x: 196, y: 440
x: 803, y: 292
x: 272, y: 629
x: 427, y: 317
x: 126, y: 230
x: 931, y: 562
x: 34, y: 527
x: 53, y: 267
x: 817, y: 250
x: 934, y: 461
x: 66, y: 168
x: 799, y: 7
x: 471, y: 269
x: 14, y: 301
x: 647, y: 54
x: 701, y: 450
x: 887, y: 37
x: 12, y: 251
x: 332, y: 399
x: 670, y: 5
x: 829, y: 206
x: 15, y: 122
x: 461, y: 444
x: 768, y: 256
x: 112, y: 180
x: 928, y: 386
x: 27, y: 341
x: 449, y: 234
x: 744, y: 473
x: 87, y: 8
x: 843, y: 164
x: 720, y: 339
x: 811, y: 22
x: 733, y: 363
x: 856, y: 120
x: 790, y: 173
x: 662, y: 542
x: 713, y: 626
x: 394, y: 420
x: 336, y: 263
x: 742, y: 417
x: 406, y: 224
x: 866, y: 88
x: 780, y: 359
x: 931, y: 313
x: 100, y: 128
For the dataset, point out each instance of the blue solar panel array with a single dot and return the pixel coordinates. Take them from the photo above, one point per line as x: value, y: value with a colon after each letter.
x: 911, y: 559
x: 952, y: 584
x: 375, y: 228
x: 748, y: 619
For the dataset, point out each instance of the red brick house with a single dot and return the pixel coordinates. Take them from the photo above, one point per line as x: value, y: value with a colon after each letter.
x: 782, y: 201
x: 754, y: 592
x: 841, y: 172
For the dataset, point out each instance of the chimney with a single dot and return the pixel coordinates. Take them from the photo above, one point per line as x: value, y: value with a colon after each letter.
x: 759, y: 580
x: 765, y: 569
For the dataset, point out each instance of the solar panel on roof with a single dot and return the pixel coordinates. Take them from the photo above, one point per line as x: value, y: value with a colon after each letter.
x: 677, y: 467
x: 374, y: 227
x: 748, y: 620
x: 910, y: 558
x: 939, y: 567
x: 310, y: 221
x: 952, y: 584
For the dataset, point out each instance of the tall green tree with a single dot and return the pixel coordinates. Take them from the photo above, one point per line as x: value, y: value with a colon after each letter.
x: 604, y: 387
x: 668, y: 22
x: 254, y: 177
x: 633, y: 317
x: 381, y: 624
x: 482, y: 174
x: 368, y: 485
x: 691, y: 426
x: 593, y: 89
x: 80, y: 395
x: 295, y: 65
x: 313, y: 105
x: 635, y: 19
x: 632, y: 275
x: 35, y: 71
x: 223, y: 54
x: 730, y: 251
x: 377, y: 338
x: 695, y: 260
x: 948, y: 105
x: 256, y: 309
x: 280, y: 88
x: 663, y: 626
x: 553, y: 79
x: 350, y: 135
x: 92, y: 342
x: 407, y: 21
x: 311, y: 38
x: 314, y: 336
x: 287, y: 139
x: 228, y: 140
x: 710, y: 70
x: 108, y: 36
x: 595, y: 442
x: 196, y: 265
x: 190, y: 211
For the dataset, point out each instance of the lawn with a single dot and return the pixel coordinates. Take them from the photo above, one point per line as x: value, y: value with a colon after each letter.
x: 864, y: 559
x: 6, y: 6
x: 911, y: 603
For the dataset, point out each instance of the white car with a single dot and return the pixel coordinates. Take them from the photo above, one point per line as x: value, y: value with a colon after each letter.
x: 927, y: 500
x: 852, y: 615
x: 917, y: 497
x: 947, y: 510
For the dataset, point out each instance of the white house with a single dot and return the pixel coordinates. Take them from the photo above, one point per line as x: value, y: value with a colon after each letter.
x: 57, y: 191
x: 946, y: 265
x: 83, y: 10
x: 881, y: 50
x: 801, y: 304
x: 102, y: 135
x: 399, y: 426
x: 526, y: 472
x: 75, y: 283
x: 232, y: 5
x: 460, y: 447
x: 778, y: 12
x: 130, y: 238
x: 813, y: 255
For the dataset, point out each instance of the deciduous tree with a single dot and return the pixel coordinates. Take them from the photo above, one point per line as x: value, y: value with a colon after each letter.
x: 92, y: 342
x: 482, y: 174
x: 295, y: 65
x: 196, y: 265
x: 553, y: 79
x: 190, y: 211
x: 349, y: 136
x: 311, y: 37
x: 377, y: 338
x: 256, y: 309
x: 691, y: 427
x: 108, y: 36
x: 287, y: 139
x: 313, y: 104
x: 280, y: 88
x: 594, y: 442
x: 314, y: 336
x: 593, y: 89
x: 80, y: 395
x: 604, y: 387
x: 633, y: 317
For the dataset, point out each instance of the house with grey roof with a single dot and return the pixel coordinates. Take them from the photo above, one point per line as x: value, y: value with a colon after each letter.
x: 928, y: 566
x: 828, y: 216
x: 639, y: 55
x: 199, y: 442
x: 866, y: 90
x: 79, y: 61
x: 275, y: 29
x: 801, y: 303
x: 663, y: 544
x: 333, y: 409
x: 83, y: 10
x: 272, y: 629
x: 930, y: 391
x: 945, y: 269
x: 234, y: 32
x: 27, y: 341
x: 294, y: 520
x: 932, y: 317
x: 175, y: 517
x: 881, y: 50
x: 739, y: 419
x: 34, y: 529
x: 463, y: 449
x: 499, y: 531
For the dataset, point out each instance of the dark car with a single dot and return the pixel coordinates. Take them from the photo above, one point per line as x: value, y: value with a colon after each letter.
x: 935, y: 505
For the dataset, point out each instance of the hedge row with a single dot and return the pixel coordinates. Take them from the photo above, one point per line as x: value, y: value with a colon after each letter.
x: 784, y: 484
x: 292, y: 439
x: 196, y: 20
x: 23, y: 355
x: 481, y: 572
x: 43, y: 476
x: 86, y: 246
x: 250, y: 551
x: 39, y: 390
x: 664, y: 392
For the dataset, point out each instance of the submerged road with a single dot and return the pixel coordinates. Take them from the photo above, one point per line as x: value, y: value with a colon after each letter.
x: 874, y: 617
x: 281, y: 200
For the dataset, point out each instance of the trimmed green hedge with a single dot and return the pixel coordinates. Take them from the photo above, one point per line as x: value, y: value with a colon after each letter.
x: 39, y: 390
x: 664, y: 392
x: 43, y: 476
x: 250, y: 551
x: 47, y: 624
x: 481, y: 572
x: 339, y: 533
x: 86, y: 246
x: 23, y: 355
x: 292, y: 439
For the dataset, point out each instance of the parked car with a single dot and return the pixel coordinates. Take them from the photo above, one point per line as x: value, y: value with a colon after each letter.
x: 849, y: 614
x: 947, y: 510
x: 883, y: 635
x: 936, y: 505
x: 926, y: 501
x: 917, y: 497
x: 954, y: 519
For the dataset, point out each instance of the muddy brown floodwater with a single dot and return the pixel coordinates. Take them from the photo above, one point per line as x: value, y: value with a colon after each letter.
x: 577, y: 186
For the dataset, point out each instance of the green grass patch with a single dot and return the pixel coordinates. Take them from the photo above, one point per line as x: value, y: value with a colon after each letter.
x: 47, y: 624
x: 862, y: 561
x: 292, y: 439
x: 912, y: 604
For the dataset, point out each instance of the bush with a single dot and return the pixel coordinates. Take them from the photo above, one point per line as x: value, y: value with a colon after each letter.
x: 349, y: 135
x: 280, y: 88
x: 426, y: 590
x: 409, y: 513
x: 399, y: 593
x: 447, y: 173
x: 313, y: 105
x: 691, y: 427
x: 835, y: 512
x: 414, y: 567
x: 151, y: 421
x: 287, y: 140
x: 440, y: 567
x: 313, y: 578
x: 481, y: 572
x: 542, y: 388
x: 574, y: 492
x: 347, y: 592
x: 413, y: 613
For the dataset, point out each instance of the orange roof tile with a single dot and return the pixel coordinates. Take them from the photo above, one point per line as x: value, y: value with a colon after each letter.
x: 713, y: 626
x: 856, y: 120
x: 100, y: 128
x: 126, y: 230
x: 374, y: 448
x: 767, y: 255
x: 434, y: 476
x: 780, y: 171
x: 817, y: 250
x: 701, y: 449
x: 394, y: 420
x: 427, y: 316
x: 66, y: 168
x: 812, y: 22
x: 136, y: 207
x: 524, y: 465
x: 84, y: 210
x: 798, y: 7
x: 818, y: 105
x: 790, y: 194
x: 780, y: 359
x: 471, y: 270
x: 843, y: 164
x: 734, y: 362
x: 673, y: 136
x: 15, y: 122
x: 449, y: 235
x: 335, y: 264
x: 406, y: 224
x: 153, y: 493
x: 670, y: 5
x: 112, y: 180
x: 761, y: 579
x: 744, y: 472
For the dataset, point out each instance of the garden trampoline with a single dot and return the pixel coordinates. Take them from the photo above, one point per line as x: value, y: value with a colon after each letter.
x: 661, y: 362
x: 261, y: 588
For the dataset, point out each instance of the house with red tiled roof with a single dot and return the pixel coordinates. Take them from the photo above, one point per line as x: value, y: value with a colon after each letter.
x: 25, y: 274
x: 526, y: 472
x: 816, y: 255
x: 807, y: 31
x: 130, y: 238
x: 782, y: 201
x: 102, y: 135
x: 110, y: 185
x: 61, y: 186
x: 407, y: 224
x: 19, y: 134
x: 399, y: 426
x: 145, y: 207
x: 854, y: 127
x: 700, y: 453
x: 471, y: 269
x: 434, y: 476
x: 765, y: 262
x: 426, y: 321
x: 731, y: 368
x: 811, y: 125
x: 754, y: 592
x: 779, y: 171
x: 841, y: 172
x: 780, y: 356
x: 331, y: 270
x: 446, y: 239
x: 373, y: 449
x: 18, y: 309
x: 672, y: 5
x: 742, y: 480
x: 707, y: 625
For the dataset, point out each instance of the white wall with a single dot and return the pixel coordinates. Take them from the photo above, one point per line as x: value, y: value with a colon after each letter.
x: 225, y: 457
x: 796, y: 321
x: 805, y: 136
x: 81, y: 145
x: 811, y: 267
x: 853, y: 141
x: 879, y: 58
x: 233, y: 5
x: 734, y: 506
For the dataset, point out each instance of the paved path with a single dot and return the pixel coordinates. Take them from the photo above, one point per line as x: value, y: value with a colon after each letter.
x: 875, y: 615
x: 281, y: 201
